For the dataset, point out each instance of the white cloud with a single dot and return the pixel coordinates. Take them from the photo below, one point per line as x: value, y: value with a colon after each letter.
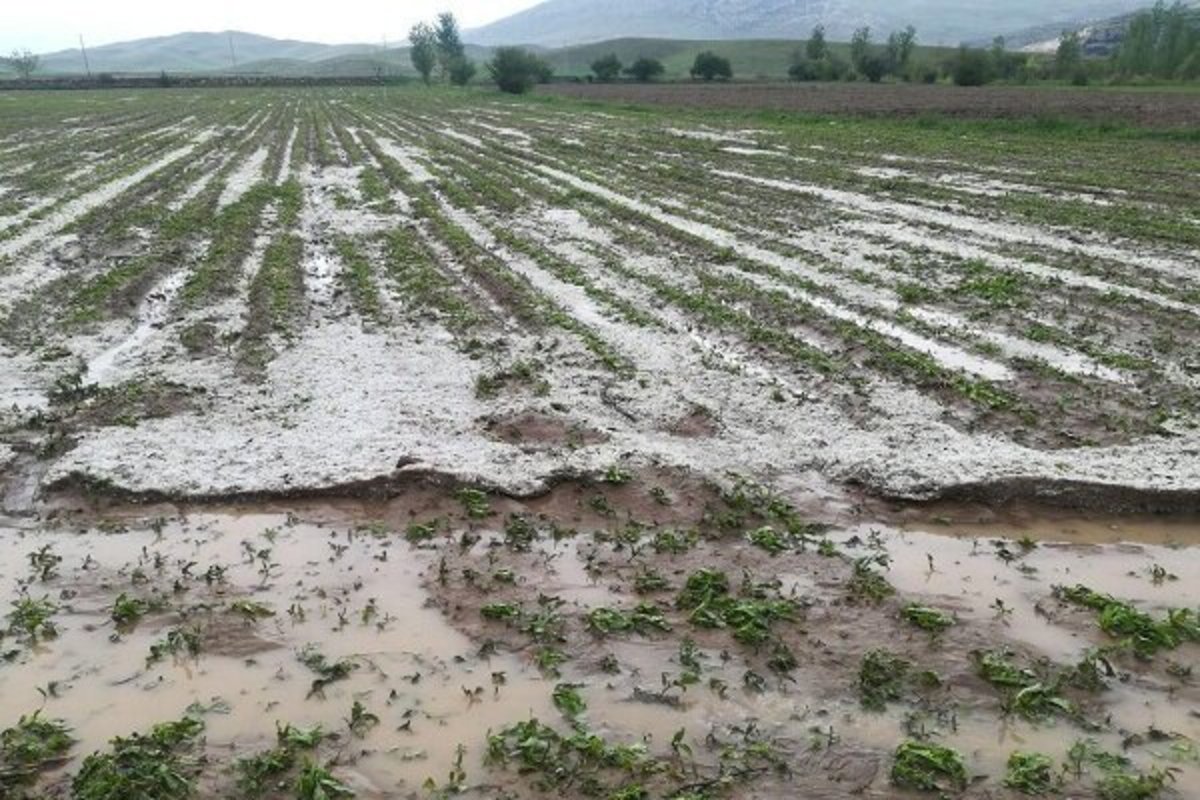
x: 57, y: 24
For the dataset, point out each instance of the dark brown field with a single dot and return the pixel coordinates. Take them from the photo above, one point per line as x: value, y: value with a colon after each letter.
x: 1159, y: 108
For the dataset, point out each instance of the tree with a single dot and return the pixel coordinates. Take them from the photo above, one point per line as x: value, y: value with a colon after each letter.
x: 860, y: 47
x: 1068, y: 59
x: 816, y: 47
x: 970, y: 67
x: 900, y: 48
x: 645, y: 69
x: 24, y: 63
x: 516, y: 70
x: 606, y: 68
x: 461, y: 70
x: 874, y: 67
x: 448, y: 41
x: 710, y: 66
x: 424, y: 50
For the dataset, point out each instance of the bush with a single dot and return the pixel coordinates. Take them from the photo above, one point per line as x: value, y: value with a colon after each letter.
x: 827, y: 68
x: 710, y: 66
x: 645, y: 69
x: 971, y: 67
x: 516, y: 71
x: 874, y: 67
x: 607, y: 68
x: 461, y: 70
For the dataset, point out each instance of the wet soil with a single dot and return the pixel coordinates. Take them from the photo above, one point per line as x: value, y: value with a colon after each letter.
x: 460, y: 614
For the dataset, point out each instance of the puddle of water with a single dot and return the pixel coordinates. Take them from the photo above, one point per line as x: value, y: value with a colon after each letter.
x: 412, y: 666
x: 355, y: 591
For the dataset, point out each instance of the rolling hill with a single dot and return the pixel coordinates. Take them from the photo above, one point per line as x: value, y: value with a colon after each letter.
x: 555, y: 23
x: 193, y: 52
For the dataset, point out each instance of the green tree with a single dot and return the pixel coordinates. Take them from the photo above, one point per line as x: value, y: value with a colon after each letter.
x: 461, y: 71
x: 24, y: 63
x: 710, y: 66
x: 516, y: 70
x: 1068, y: 59
x: 860, y: 47
x: 900, y: 47
x: 423, y: 51
x: 645, y: 69
x: 816, y: 48
x: 606, y: 68
x: 970, y: 67
x: 448, y: 41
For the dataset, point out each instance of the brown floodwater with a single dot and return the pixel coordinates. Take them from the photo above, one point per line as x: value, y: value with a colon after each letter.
x: 354, y: 590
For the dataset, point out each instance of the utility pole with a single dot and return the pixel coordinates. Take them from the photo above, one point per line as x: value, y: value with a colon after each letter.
x: 86, y: 66
x: 232, y: 55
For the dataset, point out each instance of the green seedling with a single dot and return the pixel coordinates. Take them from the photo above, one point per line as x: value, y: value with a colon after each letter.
x: 866, y: 584
x: 649, y: 581
x: 769, y: 539
x: 1030, y: 773
x: 126, y: 610
x: 568, y: 700
x: 642, y: 619
x: 251, y: 609
x: 154, y: 766
x: 927, y: 619
x: 361, y: 720
x: 327, y: 672
x: 882, y: 678
x: 474, y: 502
x: 318, y: 783
x: 32, y: 745
x: 1145, y: 635
x: 418, y: 532
x: 617, y: 476
x: 186, y: 641
x: 32, y: 619
x: 928, y: 767
x: 706, y: 598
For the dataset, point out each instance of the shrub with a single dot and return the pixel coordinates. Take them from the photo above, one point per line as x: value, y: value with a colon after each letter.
x: 461, y: 70
x: 645, y: 69
x: 607, y: 68
x: 710, y: 66
x: 874, y: 67
x: 826, y: 68
x: 516, y: 70
x: 971, y: 67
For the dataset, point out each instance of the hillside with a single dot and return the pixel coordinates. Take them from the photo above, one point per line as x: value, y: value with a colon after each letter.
x: 192, y: 52
x: 1101, y: 37
x: 369, y: 62
x: 556, y: 23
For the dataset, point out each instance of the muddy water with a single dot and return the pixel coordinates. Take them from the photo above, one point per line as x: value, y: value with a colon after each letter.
x: 338, y: 580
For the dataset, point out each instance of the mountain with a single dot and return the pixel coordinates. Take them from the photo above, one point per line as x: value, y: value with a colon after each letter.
x: 368, y: 63
x: 555, y: 23
x: 193, y: 52
x: 1101, y: 37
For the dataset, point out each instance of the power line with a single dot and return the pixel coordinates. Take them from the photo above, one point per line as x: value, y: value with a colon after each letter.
x: 86, y: 66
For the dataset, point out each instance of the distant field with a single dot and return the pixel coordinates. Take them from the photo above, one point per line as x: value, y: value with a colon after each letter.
x: 1166, y: 107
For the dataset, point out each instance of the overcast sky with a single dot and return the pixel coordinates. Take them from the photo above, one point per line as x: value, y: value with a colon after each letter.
x: 48, y: 25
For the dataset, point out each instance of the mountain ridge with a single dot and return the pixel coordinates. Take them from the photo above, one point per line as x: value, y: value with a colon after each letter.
x: 192, y: 51
x: 557, y: 23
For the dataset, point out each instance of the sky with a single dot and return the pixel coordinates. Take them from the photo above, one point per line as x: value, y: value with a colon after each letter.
x: 49, y: 25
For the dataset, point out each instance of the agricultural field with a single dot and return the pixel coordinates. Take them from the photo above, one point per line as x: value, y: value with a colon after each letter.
x: 414, y: 443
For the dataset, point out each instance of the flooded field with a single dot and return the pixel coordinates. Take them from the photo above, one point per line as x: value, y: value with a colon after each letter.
x: 394, y: 443
x: 449, y: 617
